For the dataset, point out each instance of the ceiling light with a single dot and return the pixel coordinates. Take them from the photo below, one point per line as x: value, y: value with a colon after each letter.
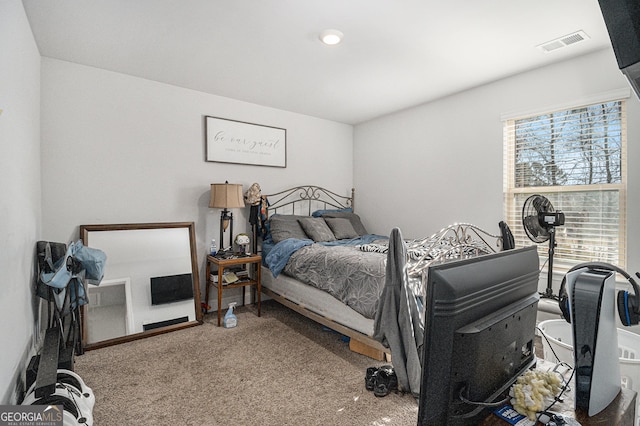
x: 331, y: 37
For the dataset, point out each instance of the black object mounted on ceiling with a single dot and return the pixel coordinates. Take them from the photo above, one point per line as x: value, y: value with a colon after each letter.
x: 622, y: 18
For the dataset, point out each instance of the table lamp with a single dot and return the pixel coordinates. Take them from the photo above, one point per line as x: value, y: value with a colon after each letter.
x: 226, y: 196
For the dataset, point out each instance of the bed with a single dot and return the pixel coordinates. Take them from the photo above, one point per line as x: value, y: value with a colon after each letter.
x: 320, y: 260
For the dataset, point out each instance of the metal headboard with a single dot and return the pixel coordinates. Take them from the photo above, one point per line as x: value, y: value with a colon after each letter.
x: 301, y: 200
x: 306, y: 199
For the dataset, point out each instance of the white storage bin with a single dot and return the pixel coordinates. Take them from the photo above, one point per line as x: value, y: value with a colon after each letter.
x: 559, y: 334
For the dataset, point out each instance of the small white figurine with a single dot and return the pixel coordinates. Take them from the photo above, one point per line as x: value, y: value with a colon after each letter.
x: 243, y: 240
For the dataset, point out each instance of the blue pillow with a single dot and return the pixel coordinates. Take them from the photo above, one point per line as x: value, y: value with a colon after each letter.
x: 319, y: 213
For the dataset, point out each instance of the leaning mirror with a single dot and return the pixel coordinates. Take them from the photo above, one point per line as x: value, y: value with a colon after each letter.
x: 150, y: 283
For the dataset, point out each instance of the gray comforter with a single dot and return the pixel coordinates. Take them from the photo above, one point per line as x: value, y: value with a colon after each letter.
x: 349, y: 274
x: 355, y: 274
x: 353, y: 271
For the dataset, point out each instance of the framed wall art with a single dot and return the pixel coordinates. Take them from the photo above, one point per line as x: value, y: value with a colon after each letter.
x: 232, y: 141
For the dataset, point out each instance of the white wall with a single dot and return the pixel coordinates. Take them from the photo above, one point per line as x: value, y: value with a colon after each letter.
x: 439, y: 163
x: 19, y: 192
x: 121, y: 149
x: 118, y: 149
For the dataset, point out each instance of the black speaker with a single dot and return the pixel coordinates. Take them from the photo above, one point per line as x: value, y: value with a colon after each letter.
x: 622, y: 18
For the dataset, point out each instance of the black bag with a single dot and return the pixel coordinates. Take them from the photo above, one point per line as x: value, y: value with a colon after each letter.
x: 48, y: 253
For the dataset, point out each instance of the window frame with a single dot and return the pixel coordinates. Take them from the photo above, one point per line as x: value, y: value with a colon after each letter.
x: 511, y: 192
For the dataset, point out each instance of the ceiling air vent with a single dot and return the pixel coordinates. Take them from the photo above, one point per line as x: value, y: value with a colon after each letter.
x: 563, y: 41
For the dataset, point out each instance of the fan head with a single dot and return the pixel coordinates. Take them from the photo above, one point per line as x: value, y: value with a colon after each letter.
x: 535, y: 211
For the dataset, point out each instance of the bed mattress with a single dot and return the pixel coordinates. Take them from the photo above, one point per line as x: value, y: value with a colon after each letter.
x: 317, y: 301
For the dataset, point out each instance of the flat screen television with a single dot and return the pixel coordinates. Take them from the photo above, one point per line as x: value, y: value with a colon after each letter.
x: 479, y: 334
x: 171, y: 288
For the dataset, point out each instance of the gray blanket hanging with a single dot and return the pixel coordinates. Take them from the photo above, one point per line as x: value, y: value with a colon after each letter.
x: 399, y: 323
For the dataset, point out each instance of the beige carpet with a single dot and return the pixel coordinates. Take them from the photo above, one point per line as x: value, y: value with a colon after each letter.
x: 279, y: 369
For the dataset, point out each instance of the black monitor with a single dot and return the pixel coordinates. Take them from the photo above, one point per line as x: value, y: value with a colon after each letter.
x: 171, y: 288
x: 479, y: 334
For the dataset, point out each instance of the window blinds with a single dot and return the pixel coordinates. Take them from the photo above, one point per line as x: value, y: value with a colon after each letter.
x: 577, y: 159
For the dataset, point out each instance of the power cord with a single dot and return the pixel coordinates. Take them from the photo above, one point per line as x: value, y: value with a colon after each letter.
x: 551, y: 347
x: 482, y: 403
x: 558, y: 398
x: 567, y: 382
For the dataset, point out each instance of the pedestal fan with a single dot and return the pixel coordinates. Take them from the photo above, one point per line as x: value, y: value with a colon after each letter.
x: 539, y: 220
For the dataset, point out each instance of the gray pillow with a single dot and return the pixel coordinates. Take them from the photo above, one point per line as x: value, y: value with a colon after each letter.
x: 341, y: 228
x: 317, y: 229
x: 353, y: 218
x: 286, y: 226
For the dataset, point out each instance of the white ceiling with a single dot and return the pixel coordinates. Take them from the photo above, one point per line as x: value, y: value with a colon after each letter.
x: 395, y: 53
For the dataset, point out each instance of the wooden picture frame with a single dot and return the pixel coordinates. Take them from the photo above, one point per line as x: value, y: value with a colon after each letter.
x: 239, y: 142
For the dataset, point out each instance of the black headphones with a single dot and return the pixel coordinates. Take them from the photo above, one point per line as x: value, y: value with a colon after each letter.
x: 628, y: 305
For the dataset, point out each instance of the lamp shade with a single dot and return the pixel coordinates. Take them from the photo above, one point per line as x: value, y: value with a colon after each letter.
x: 226, y: 196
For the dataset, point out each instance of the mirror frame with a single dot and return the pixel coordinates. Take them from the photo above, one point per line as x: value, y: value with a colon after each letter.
x: 85, y: 230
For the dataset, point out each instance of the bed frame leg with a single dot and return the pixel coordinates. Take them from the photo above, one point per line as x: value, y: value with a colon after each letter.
x: 364, y: 349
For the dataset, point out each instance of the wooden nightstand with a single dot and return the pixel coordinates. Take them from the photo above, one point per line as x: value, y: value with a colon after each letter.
x: 222, y: 264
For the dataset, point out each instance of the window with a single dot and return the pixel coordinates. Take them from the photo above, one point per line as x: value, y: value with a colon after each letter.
x: 577, y: 159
